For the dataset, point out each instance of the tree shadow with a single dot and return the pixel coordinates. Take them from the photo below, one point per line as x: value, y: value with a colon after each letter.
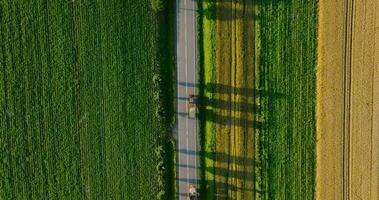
x: 187, y: 166
x: 243, y: 108
x: 182, y: 114
x: 221, y: 185
x: 256, y: 2
x: 182, y: 98
x: 249, y: 92
x: 239, y: 174
x: 188, y: 84
x: 188, y: 180
x: 232, y: 187
x: 221, y: 188
x: 224, y: 104
x: 234, y: 121
x: 189, y: 152
x: 223, y: 157
x: 223, y: 10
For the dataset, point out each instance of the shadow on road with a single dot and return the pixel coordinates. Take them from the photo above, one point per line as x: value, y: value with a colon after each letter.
x: 187, y: 166
x: 182, y: 114
x: 189, y: 181
x: 188, y: 84
x: 189, y: 152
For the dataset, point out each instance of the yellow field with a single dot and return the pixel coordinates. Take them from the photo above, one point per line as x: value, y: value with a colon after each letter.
x: 234, y: 159
x: 347, y: 100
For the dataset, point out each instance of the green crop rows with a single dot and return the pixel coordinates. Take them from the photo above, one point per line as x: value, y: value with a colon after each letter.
x: 286, y: 46
x: 76, y: 99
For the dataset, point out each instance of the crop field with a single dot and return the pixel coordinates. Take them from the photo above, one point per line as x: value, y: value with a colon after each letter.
x: 258, y: 128
x: 76, y: 105
x: 348, y: 101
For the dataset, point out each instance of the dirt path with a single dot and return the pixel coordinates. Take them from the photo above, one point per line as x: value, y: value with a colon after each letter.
x: 347, y: 100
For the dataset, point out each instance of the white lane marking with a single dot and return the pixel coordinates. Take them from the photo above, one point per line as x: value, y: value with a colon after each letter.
x: 178, y: 75
x: 195, y: 81
x: 186, y: 68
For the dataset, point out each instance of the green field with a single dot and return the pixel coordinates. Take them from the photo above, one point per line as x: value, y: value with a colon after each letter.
x: 283, y: 92
x: 76, y: 100
x: 286, y: 41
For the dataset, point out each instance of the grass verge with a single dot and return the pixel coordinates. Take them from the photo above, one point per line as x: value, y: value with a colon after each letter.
x: 206, y: 30
x: 166, y: 88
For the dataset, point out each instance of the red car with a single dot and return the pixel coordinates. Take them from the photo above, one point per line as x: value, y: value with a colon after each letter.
x: 192, y: 110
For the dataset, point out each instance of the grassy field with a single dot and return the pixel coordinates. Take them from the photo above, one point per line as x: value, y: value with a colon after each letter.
x: 258, y: 126
x: 76, y: 99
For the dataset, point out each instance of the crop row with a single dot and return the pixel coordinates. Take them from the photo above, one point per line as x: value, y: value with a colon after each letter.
x: 286, y: 43
x: 76, y: 105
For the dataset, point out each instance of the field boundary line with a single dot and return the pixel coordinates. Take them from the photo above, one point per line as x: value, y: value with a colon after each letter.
x: 375, y: 110
x: 349, y: 9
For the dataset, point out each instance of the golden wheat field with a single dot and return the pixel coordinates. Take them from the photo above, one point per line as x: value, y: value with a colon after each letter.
x: 348, y: 100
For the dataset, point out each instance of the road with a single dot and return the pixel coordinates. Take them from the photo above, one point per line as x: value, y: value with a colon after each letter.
x: 187, y: 144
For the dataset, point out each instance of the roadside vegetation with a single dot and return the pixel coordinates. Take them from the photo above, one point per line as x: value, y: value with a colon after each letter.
x: 164, y: 91
x: 257, y: 81
x: 81, y: 114
x: 206, y: 34
x: 158, y: 5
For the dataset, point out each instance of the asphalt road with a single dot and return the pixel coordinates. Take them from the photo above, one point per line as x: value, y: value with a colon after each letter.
x: 187, y: 145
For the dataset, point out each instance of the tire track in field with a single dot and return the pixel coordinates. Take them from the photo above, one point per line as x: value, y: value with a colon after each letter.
x: 223, y: 130
x: 349, y: 8
x: 234, y: 165
x: 233, y: 104
x: 344, y: 170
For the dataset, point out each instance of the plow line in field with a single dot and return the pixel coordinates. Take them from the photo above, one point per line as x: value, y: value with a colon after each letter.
x: 347, y: 94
